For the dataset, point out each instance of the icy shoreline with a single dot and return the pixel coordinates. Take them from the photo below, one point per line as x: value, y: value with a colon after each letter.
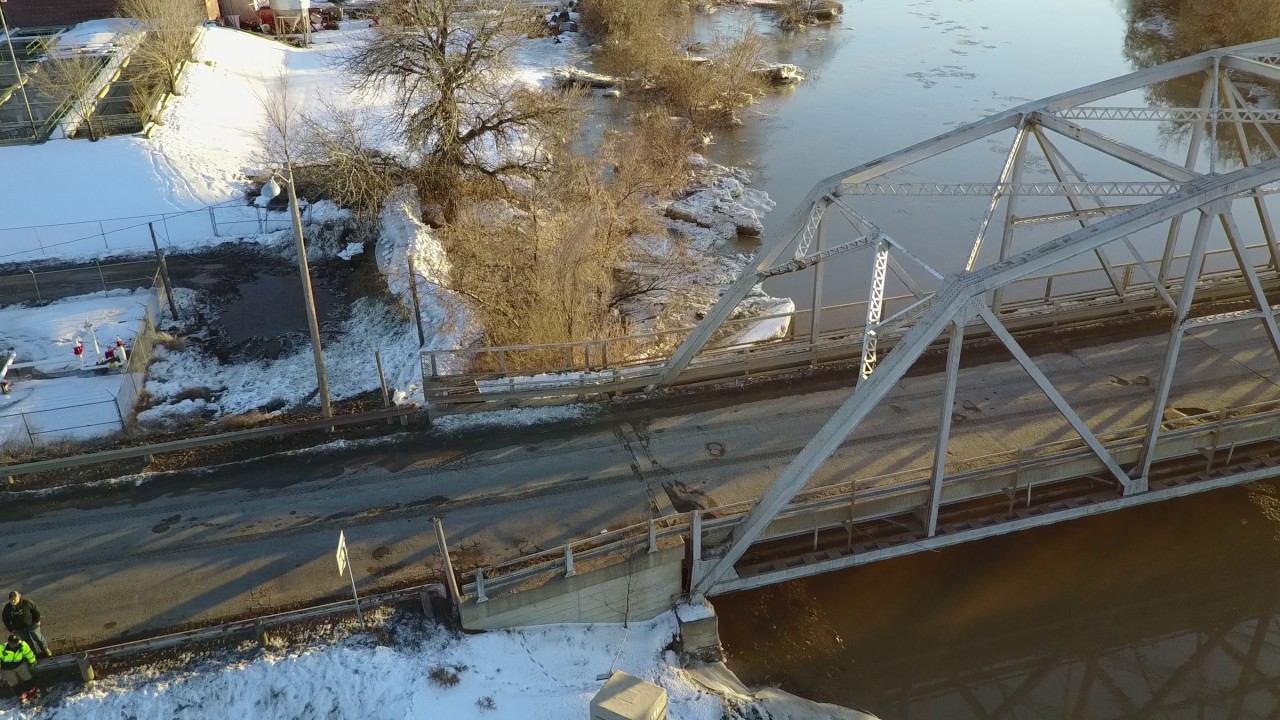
x: 407, y: 668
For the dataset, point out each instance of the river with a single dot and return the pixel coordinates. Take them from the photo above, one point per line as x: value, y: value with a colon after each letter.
x: 1169, y: 611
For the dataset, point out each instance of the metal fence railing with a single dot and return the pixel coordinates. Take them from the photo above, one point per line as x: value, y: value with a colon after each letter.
x: 132, y: 234
x: 77, y: 413
x: 35, y: 287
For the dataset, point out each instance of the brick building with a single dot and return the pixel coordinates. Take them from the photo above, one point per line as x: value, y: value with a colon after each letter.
x: 43, y: 13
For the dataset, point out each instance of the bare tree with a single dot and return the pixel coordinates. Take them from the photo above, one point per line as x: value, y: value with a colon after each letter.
x: 448, y: 63
x: 70, y: 79
x: 168, y: 28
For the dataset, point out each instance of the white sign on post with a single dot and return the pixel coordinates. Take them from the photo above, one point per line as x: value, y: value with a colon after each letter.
x: 343, y: 565
x: 342, y: 552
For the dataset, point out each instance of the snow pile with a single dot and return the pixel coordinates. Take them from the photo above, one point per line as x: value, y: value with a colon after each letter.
x: 542, y: 673
x: 289, y: 380
x: 724, y: 205
x: 107, y: 32
x: 197, y: 155
x: 448, y: 323
x: 514, y: 417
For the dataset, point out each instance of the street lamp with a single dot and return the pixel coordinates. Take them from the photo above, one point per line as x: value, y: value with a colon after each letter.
x: 269, y: 191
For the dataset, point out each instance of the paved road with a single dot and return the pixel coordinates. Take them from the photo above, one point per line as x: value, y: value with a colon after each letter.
x: 258, y: 536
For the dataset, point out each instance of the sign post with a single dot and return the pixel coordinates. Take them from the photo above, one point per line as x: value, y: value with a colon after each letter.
x: 343, y: 565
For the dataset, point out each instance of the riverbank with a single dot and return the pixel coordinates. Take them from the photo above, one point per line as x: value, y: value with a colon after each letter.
x: 408, y: 667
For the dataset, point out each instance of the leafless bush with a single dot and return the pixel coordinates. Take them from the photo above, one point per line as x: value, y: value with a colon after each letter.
x: 71, y: 78
x: 447, y: 63
x: 168, y: 28
x: 486, y: 703
x: 445, y: 677
x: 169, y: 341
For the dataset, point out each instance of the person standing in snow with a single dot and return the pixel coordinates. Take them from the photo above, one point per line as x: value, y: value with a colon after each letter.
x: 22, y: 617
x: 16, y: 665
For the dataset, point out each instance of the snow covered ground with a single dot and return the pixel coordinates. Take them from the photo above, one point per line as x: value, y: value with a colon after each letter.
x: 540, y: 673
x: 197, y: 156
x: 78, y: 403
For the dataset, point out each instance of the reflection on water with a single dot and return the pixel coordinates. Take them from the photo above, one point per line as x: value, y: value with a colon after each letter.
x: 1165, y: 611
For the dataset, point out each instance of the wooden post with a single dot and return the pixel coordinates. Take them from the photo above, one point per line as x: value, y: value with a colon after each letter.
x: 164, y: 272
x: 417, y: 306
x: 382, y: 380
x: 450, y: 580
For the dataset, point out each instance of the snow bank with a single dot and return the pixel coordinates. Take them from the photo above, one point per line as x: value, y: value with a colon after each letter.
x: 541, y: 673
x: 288, y: 380
x: 197, y: 155
x: 448, y: 322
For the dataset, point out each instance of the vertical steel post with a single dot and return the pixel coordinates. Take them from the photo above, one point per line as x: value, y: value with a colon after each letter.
x: 1246, y: 158
x: 1213, y: 128
x: 875, y: 307
x: 304, y: 272
x: 815, y: 318
x: 480, y: 596
x: 382, y: 382
x: 1143, y: 467
x: 653, y: 536
x: 1001, y: 188
x: 1010, y: 207
x: 954, y: 348
x: 101, y: 279
x: 36, y: 283
x: 1193, y: 156
x: 568, y: 561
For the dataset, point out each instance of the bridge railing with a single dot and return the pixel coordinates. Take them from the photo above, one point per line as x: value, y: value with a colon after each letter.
x: 779, y: 341
x: 1201, y: 431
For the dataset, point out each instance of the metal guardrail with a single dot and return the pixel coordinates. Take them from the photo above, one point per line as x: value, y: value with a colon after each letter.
x: 230, y: 629
x: 66, y: 463
x: 508, y: 576
x: 626, y: 364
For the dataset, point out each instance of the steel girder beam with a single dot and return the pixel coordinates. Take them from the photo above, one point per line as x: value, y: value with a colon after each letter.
x: 1246, y: 157
x: 1132, y: 155
x: 1074, y: 215
x: 1046, y: 387
x: 875, y: 307
x: 1252, y: 67
x: 1194, y: 264
x: 1240, y: 103
x: 941, y: 309
x: 955, y: 345
x: 1010, y: 175
x: 1193, y: 157
x: 733, y: 295
x: 1057, y: 164
x: 1200, y: 114
x: 1042, y: 189
x: 1240, y: 249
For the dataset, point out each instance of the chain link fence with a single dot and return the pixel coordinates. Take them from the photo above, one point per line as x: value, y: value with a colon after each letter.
x: 36, y: 287
x: 133, y: 234
x: 73, y: 413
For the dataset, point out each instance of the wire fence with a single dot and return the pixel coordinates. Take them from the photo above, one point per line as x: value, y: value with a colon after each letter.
x: 78, y: 409
x: 37, y: 287
x: 133, y: 234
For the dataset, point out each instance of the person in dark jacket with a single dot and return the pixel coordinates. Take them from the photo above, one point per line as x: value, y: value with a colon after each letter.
x: 22, y: 618
x: 16, y: 665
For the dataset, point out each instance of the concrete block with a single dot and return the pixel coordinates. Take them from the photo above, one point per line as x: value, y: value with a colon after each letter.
x: 699, y: 634
x: 625, y: 697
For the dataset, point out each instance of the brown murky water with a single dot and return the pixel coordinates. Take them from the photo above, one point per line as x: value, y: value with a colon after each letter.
x: 1165, y: 611
x: 1168, y: 611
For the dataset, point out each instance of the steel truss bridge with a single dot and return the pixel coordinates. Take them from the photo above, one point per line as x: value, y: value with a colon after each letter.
x: 1029, y: 280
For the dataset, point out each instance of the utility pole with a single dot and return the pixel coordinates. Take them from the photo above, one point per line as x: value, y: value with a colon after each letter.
x: 322, y: 377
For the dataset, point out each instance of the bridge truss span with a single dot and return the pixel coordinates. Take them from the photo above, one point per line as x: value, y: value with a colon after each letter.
x: 1220, y: 197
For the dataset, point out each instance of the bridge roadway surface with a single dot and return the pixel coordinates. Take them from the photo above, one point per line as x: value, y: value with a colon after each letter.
x: 246, y: 539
